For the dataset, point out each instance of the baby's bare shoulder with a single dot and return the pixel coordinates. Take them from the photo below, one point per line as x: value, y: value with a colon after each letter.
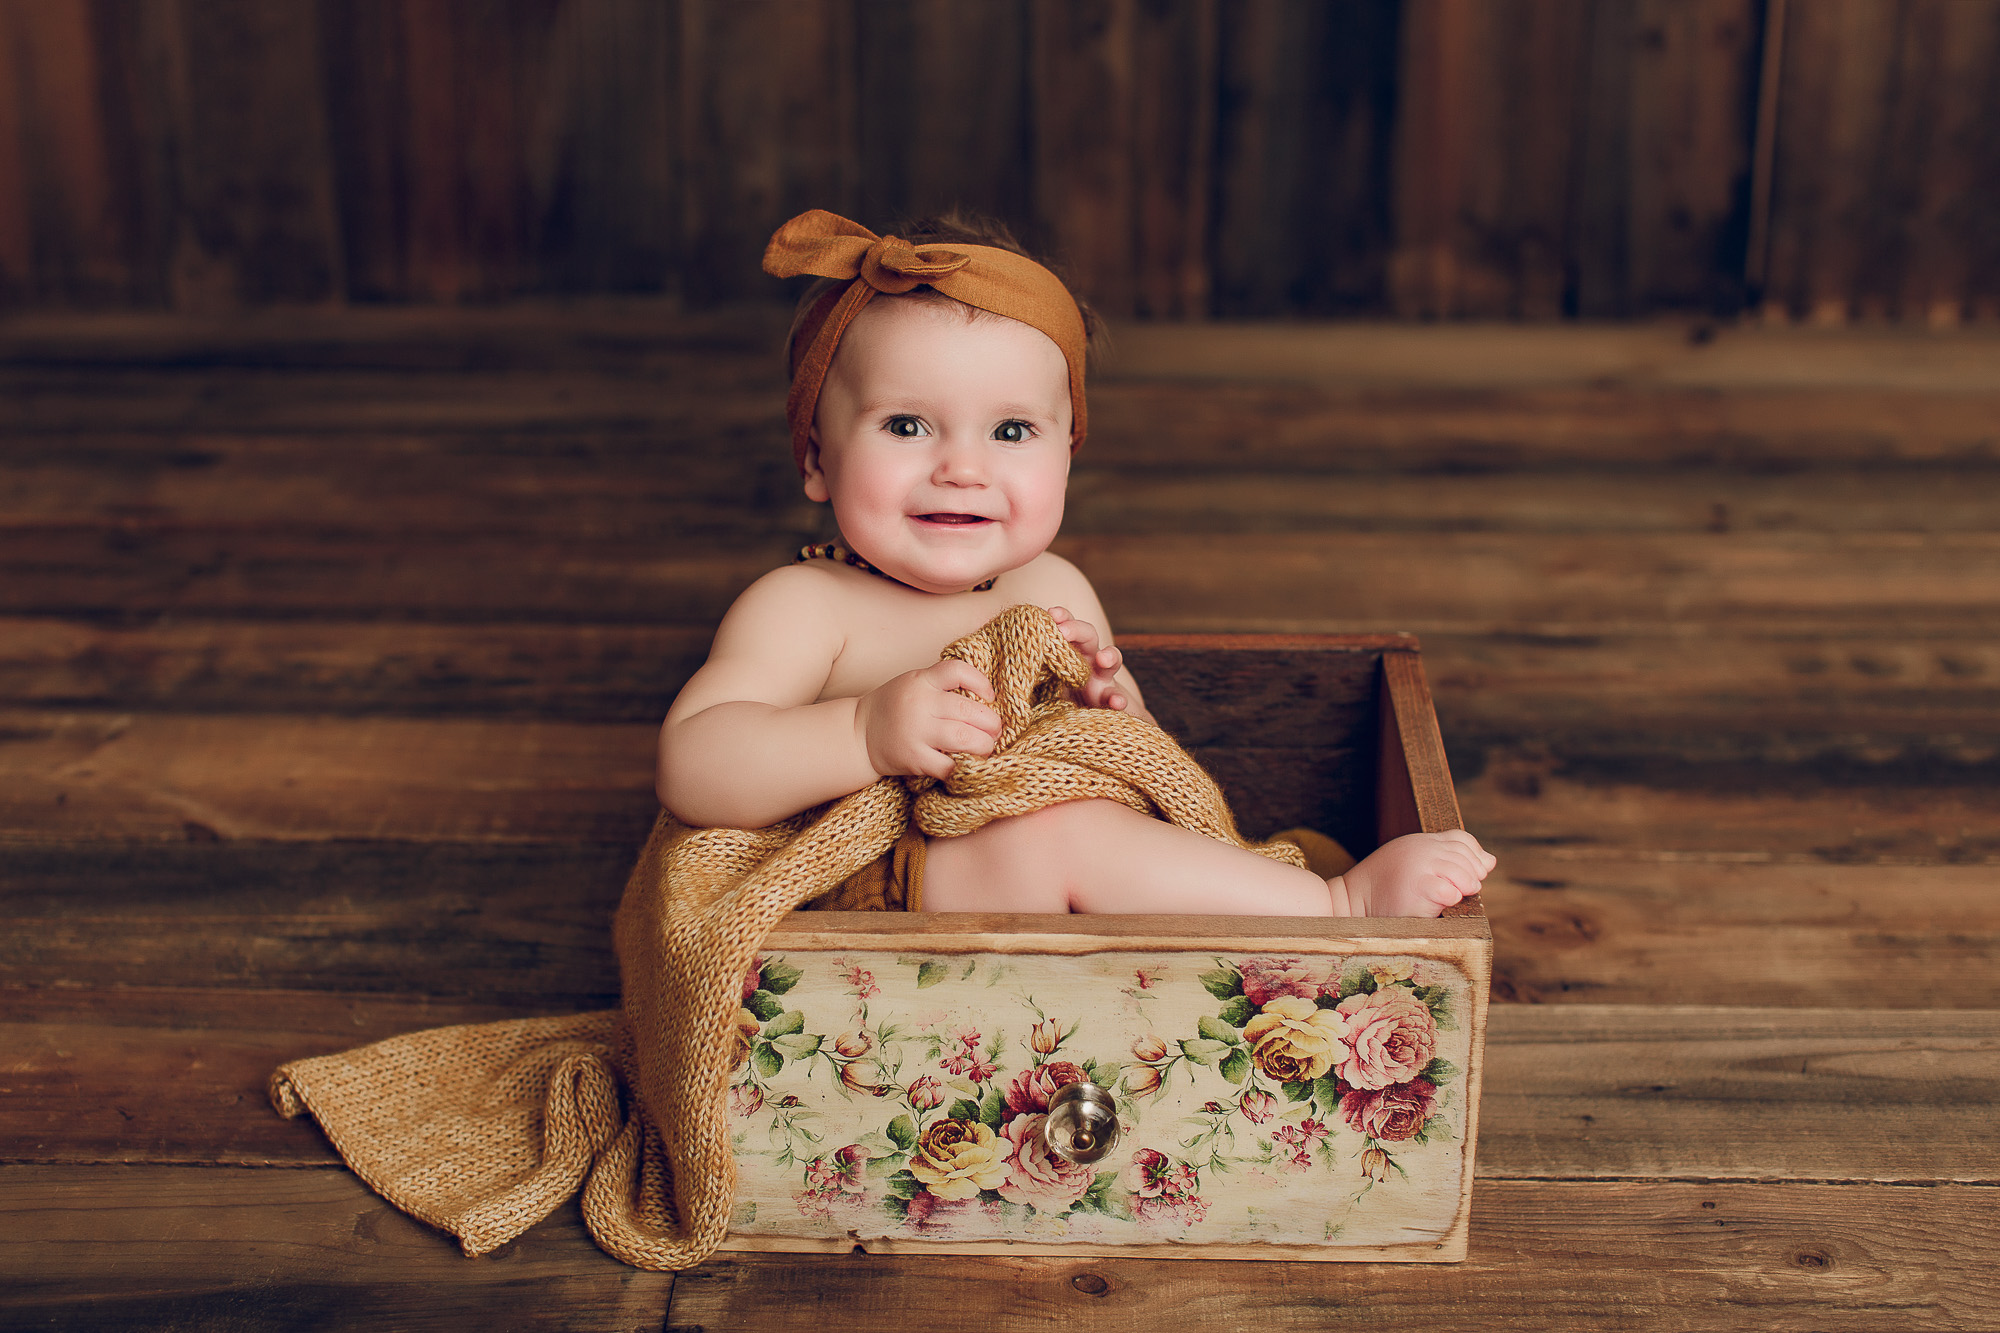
x: 775, y: 644
x: 1048, y: 579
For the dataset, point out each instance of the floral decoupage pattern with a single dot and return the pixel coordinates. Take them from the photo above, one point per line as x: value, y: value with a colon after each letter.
x: 1307, y: 1100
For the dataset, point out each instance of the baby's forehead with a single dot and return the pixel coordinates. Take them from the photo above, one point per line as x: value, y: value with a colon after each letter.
x: 897, y: 331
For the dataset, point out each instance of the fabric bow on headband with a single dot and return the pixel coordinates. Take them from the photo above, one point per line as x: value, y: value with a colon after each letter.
x: 829, y: 246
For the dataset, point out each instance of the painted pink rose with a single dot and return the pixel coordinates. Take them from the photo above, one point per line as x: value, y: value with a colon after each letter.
x: 1390, y: 1035
x: 1164, y: 1190
x: 1031, y: 1089
x: 752, y: 980
x: 1148, y: 1176
x: 1257, y: 1107
x: 844, y: 1170
x: 1265, y: 979
x: 927, y: 1093
x: 746, y: 1099
x: 1390, y: 1114
x: 1037, y: 1176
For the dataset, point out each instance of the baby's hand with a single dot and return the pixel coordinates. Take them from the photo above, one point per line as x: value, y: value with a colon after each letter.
x: 1101, y: 690
x: 913, y: 725
x: 1418, y: 874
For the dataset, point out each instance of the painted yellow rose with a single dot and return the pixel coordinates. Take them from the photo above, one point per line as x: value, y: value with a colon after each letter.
x: 1294, y: 1039
x: 747, y: 1028
x: 955, y: 1159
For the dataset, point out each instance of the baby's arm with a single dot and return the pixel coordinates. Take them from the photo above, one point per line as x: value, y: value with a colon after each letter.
x: 748, y: 742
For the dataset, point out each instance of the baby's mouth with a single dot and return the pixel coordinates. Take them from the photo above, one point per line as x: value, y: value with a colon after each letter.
x: 956, y: 520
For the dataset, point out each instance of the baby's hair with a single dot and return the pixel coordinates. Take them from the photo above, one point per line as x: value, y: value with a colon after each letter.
x: 966, y: 228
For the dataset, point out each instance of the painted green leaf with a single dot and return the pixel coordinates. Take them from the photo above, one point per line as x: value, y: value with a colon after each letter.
x: 1299, y: 1091
x: 903, y: 1185
x: 1326, y: 1092
x: 992, y: 1107
x: 1203, y: 1051
x: 930, y: 972
x: 785, y: 1024
x: 1439, y: 1070
x: 904, y: 1131
x: 779, y: 976
x: 1217, y: 1030
x: 1237, y: 1012
x: 1235, y: 1066
x: 1222, y: 982
x: 798, y: 1045
x: 769, y: 1062
x: 964, y: 1109
x: 765, y: 1005
x: 888, y: 1164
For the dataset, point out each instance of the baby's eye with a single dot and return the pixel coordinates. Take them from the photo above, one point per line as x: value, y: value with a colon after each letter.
x: 906, y: 428
x: 1013, y: 432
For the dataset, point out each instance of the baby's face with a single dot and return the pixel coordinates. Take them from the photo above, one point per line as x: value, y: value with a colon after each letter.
x: 943, y: 443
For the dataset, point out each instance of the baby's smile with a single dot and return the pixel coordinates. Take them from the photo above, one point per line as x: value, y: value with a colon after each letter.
x: 954, y: 520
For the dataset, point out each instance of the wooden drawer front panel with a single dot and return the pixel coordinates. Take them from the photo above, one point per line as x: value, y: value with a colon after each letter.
x: 1311, y: 1097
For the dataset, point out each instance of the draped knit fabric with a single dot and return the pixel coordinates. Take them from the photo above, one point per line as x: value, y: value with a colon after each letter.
x: 483, y: 1130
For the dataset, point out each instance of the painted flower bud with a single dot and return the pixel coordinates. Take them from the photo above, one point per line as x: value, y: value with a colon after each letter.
x: 1046, y: 1037
x: 854, y: 1043
x: 1142, y: 1081
x: 1375, y: 1164
x: 852, y: 1080
x: 1150, y: 1048
x: 926, y: 1093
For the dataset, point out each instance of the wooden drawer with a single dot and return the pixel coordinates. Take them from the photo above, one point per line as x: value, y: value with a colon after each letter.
x: 1286, y: 1087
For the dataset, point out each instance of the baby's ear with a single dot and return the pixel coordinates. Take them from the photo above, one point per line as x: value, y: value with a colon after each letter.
x: 815, y: 476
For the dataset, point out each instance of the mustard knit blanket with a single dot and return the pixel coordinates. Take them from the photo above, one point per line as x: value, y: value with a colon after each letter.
x: 483, y: 1130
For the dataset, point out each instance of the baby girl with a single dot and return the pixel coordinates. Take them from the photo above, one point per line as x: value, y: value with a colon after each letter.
x: 937, y: 397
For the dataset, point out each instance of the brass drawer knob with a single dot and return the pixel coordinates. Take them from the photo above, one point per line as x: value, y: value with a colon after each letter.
x: 1082, y: 1124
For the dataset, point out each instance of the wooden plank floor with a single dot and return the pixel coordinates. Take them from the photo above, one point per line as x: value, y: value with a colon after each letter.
x: 332, y: 648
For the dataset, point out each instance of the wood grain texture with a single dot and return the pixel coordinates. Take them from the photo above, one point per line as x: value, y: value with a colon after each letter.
x: 125, y: 1247
x: 270, y: 1249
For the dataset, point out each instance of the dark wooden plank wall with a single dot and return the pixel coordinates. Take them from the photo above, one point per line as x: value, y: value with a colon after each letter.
x: 1517, y: 158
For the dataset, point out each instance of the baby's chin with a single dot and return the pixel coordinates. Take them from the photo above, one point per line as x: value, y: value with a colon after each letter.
x: 941, y: 573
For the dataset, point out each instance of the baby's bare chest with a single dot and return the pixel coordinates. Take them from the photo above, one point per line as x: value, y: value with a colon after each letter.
x: 884, y: 640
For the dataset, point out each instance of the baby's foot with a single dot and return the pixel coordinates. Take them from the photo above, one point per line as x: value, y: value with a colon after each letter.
x: 1418, y: 874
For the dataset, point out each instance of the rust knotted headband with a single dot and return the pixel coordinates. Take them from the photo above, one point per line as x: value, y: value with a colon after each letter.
x: 829, y: 246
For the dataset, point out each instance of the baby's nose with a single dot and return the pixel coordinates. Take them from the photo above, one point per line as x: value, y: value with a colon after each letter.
x: 960, y: 465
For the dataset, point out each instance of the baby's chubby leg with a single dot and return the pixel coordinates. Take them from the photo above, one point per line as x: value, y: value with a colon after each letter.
x: 1100, y: 856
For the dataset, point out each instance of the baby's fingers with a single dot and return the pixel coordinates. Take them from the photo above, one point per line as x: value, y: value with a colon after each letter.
x: 972, y: 713
x: 1460, y: 837
x: 952, y: 674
